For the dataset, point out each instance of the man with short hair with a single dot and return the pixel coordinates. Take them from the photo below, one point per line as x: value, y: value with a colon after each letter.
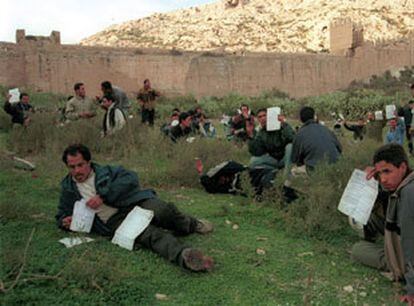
x: 183, y: 128
x: 114, y: 119
x: 314, y: 142
x: 396, y: 221
x: 80, y: 106
x: 395, y: 133
x: 408, y: 120
x: 146, y: 98
x: 113, y: 192
x: 119, y: 95
x: 20, y: 111
x: 242, y: 124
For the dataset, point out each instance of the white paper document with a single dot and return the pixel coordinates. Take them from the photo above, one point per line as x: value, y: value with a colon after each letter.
x: 133, y: 225
x: 272, y: 119
x: 390, y: 111
x: 15, y: 95
x: 72, y: 241
x: 379, y: 115
x: 359, y: 197
x: 82, y: 217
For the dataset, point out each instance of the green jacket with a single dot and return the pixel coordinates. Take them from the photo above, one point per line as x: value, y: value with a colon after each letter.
x: 273, y: 142
x: 116, y: 186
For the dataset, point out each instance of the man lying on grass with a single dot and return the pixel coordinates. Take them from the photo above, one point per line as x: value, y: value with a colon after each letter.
x: 113, y: 192
x: 392, y: 171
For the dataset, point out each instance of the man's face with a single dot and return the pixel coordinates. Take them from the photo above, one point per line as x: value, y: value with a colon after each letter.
x: 106, y: 103
x: 81, y: 92
x: 25, y: 99
x: 147, y: 85
x: 186, y: 122
x: 245, y: 110
x: 261, y: 117
x: 390, y: 176
x: 78, y: 167
x: 393, y: 123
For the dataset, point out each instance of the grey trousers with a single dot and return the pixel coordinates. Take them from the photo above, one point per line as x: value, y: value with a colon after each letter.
x: 367, y: 251
x: 158, y: 235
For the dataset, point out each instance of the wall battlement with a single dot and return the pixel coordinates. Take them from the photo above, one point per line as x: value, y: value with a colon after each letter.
x: 43, y: 64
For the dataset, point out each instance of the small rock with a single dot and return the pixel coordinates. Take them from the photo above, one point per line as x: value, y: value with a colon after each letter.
x: 228, y: 222
x: 161, y: 297
x: 260, y: 252
x: 235, y: 226
x: 348, y: 289
x: 363, y: 294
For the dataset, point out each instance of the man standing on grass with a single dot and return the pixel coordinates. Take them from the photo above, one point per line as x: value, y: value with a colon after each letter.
x: 80, y: 106
x: 395, y: 222
x: 146, y: 98
x: 408, y: 120
x: 113, y: 192
x: 20, y: 111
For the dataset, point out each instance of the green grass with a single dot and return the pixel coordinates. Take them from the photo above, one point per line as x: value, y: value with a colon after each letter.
x: 292, y: 270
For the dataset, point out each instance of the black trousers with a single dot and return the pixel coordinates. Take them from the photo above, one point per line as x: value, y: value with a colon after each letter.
x: 147, y: 116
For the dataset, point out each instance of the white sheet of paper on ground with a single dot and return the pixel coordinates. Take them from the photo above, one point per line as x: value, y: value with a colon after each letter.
x: 82, y: 217
x: 272, y: 119
x: 341, y: 116
x: 379, y: 115
x: 359, y: 197
x: 133, y: 225
x: 72, y: 241
x: 15, y: 95
x: 390, y: 111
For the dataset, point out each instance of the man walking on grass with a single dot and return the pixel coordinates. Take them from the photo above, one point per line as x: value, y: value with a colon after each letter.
x: 113, y: 192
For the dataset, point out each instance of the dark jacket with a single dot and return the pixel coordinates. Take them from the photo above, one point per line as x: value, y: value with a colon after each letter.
x: 17, y: 111
x: 116, y: 186
x: 272, y: 142
x: 177, y: 132
x: 358, y: 130
x: 313, y: 143
x: 408, y: 116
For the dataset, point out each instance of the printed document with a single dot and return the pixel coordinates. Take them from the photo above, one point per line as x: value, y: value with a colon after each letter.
x: 133, y: 225
x: 82, y: 217
x: 359, y: 197
x: 390, y: 111
x: 272, y: 119
x: 15, y: 95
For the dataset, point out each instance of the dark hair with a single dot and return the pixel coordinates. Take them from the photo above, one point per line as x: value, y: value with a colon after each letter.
x: 183, y: 116
x: 412, y: 86
x: 106, y: 85
x: 108, y: 97
x: 391, y: 153
x: 176, y: 110
x: 74, y: 149
x: 306, y: 113
x: 244, y: 105
x: 261, y: 110
x: 23, y: 94
x: 77, y: 86
x: 146, y: 81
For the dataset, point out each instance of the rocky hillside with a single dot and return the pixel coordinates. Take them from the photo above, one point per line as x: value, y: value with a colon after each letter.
x: 260, y: 25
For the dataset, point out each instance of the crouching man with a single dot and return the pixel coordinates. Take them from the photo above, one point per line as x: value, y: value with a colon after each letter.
x: 397, y: 224
x: 113, y: 192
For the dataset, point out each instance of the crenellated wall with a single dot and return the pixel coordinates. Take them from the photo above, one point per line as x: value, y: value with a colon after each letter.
x: 46, y: 65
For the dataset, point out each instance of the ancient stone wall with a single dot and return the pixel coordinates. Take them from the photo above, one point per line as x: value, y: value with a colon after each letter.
x: 45, y: 65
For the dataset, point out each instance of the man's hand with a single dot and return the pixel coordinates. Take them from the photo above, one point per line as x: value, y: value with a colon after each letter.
x: 281, y: 118
x: 199, y: 166
x: 408, y: 298
x: 66, y: 222
x: 370, y: 172
x: 95, y: 202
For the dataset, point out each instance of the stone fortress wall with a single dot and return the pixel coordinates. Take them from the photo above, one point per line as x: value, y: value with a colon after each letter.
x: 44, y: 64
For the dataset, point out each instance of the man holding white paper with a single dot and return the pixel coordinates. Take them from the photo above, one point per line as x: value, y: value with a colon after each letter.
x: 20, y: 111
x: 113, y: 192
x: 396, y: 255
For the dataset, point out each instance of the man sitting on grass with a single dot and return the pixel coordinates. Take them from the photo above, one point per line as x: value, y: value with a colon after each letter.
x: 113, y: 192
x: 114, y: 119
x: 396, y: 255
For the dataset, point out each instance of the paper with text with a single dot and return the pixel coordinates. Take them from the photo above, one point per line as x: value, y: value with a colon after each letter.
x: 82, y: 217
x: 15, y: 95
x: 359, y: 197
x: 390, y: 111
x: 133, y: 225
x: 379, y: 115
x: 272, y: 119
